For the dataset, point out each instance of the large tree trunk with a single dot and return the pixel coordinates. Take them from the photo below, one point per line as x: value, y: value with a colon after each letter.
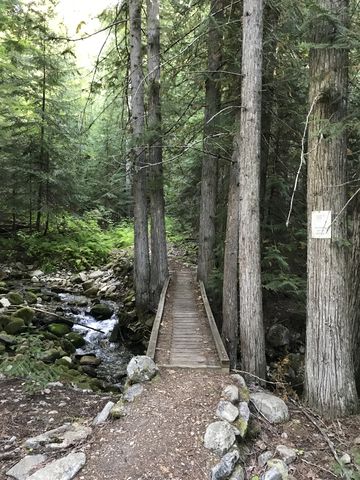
x: 230, y: 308
x: 252, y: 340
x: 42, y: 154
x: 159, y: 264
x: 355, y: 290
x: 206, y: 259
x: 141, y: 260
x: 329, y: 373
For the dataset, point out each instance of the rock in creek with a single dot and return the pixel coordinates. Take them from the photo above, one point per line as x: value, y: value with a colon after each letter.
x: 63, y: 469
x: 101, y: 311
x: 273, y: 408
x: 141, y: 369
x: 219, y: 437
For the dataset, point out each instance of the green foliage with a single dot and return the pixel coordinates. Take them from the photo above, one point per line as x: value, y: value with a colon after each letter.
x: 37, y: 374
x: 74, y: 243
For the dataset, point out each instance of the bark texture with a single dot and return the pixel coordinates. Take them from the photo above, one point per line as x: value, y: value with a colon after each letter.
x: 329, y: 373
x: 355, y: 291
x: 206, y: 260
x: 230, y: 309
x: 252, y: 339
x: 159, y: 263
x: 141, y: 260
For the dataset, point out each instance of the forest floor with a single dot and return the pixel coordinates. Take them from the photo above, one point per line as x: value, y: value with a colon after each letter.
x: 161, y: 437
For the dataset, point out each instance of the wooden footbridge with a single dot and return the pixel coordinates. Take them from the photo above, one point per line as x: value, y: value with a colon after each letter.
x: 184, y: 333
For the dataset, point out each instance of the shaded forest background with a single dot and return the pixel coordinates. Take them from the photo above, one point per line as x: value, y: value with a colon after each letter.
x: 66, y: 138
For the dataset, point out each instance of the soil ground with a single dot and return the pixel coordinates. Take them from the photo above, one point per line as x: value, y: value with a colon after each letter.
x: 161, y: 438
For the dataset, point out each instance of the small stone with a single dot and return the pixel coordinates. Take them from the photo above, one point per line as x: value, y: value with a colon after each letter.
x: 219, y: 437
x: 357, y: 441
x: 59, y: 329
x: 225, y: 467
x: 231, y: 394
x: 141, y: 369
x: 15, y: 326
x: 118, y: 410
x: 244, y: 416
x: 264, y: 458
x: 238, y: 473
x: 277, y: 470
x: 15, y: 298
x: 4, y: 302
x: 37, y: 273
x: 63, y: 469
x: 285, y: 453
x: 345, y: 459
x: 227, y: 411
x: 284, y: 435
x: 244, y: 393
x: 273, y: 408
x: 26, y: 466
x: 102, y: 416
x: 133, y: 392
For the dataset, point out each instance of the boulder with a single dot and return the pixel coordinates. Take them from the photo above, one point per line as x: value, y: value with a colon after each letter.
x: 141, y: 369
x: 102, y: 416
x: 15, y: 298
x: 288, y: 455
x: 278, y: 336
x: 26, y: 313
x: 30, y: 297
x: 15, y: 326
x: 62, y: 469
x: 91, y: 292
x: 91, y: 360
x: 219, y: 437
x: 4, y: 320
x: 23, y: 469
x: 227, y: 411
x: 7, y: 339
x: 51, y: 355
x: 101, y: 311
x: 59, y: 329
x: 273, y: 408
x: 225, y: 467
x: 76, y: 339
x: 231, y: 394
x: 62, y: 437
x: 133, y: 392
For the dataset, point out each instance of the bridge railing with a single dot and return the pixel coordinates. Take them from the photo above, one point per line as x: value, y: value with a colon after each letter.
x: 223, y: 356
x: 156, y: 326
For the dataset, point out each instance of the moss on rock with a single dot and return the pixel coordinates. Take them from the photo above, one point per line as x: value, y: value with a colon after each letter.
x: 15, y: 298
x: 30, y: 297
x: 26, y: 313
x: 101, y: 311
x: 75, y: 339
x: 15, y: 326
x: 59, y: 329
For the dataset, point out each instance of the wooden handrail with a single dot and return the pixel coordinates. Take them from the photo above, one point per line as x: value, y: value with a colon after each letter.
x: 156, y: 326
x: 223, y: 356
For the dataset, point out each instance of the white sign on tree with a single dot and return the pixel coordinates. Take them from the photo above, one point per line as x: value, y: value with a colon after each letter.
x: 321, y: 224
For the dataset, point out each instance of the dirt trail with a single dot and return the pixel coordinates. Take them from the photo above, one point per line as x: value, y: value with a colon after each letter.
x: 162, y: 435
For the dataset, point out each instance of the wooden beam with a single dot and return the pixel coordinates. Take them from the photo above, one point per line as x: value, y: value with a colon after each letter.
x: 223, y: 356
x: 156, y: 327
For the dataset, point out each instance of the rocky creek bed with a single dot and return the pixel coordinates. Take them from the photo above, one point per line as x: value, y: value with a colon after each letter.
x: 79, y: 329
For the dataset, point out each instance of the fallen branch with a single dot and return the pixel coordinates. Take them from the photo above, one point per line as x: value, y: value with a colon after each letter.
x: 320, y: 468
x: 326, y: 437
x: 258, y: 378
x: 63, y: 319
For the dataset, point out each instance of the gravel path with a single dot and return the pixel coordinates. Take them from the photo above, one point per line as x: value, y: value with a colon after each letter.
x: 162, y: 435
